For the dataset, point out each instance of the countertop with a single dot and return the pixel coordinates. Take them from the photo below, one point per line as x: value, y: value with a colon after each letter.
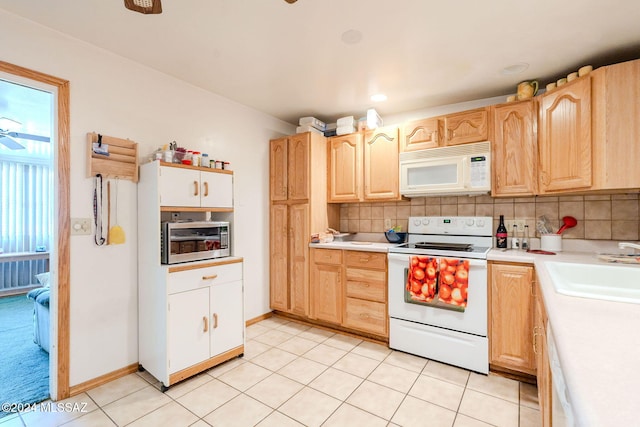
x: 356, y: 246
x: 598, y: 344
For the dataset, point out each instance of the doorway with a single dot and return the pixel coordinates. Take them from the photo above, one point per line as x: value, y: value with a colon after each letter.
x: 26, y: 217
x: 60, y: 252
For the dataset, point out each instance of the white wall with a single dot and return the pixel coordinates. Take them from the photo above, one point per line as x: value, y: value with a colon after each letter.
x: 117, y: 97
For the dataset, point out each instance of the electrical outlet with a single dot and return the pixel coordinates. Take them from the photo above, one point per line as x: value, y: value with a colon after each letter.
x: 520, y: 223
x: 387, y: 223
x: 80, y: 226
x: 175, y: 216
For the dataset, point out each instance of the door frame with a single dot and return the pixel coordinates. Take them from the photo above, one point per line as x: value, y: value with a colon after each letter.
x: 62, y: 196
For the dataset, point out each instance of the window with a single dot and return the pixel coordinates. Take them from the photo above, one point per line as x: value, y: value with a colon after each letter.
x: 26, y: 181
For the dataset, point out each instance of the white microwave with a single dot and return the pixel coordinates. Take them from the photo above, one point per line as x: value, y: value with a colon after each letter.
x: 456, y: 170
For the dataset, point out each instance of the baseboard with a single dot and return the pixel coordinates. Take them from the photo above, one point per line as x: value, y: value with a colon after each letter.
x: 259, y: 318
x: 103, y: 379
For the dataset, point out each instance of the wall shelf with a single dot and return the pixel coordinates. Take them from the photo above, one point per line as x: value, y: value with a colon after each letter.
x: 122, y: 161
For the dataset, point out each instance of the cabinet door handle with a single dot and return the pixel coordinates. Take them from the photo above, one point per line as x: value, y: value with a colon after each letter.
x: 213, y: 276
x: 215, y: 320
x: 364, y: 259
x: 434, y: 136
x: 195, y: 186
x: 206, y: 189
x: 535, y: 339
x: 206, y: 323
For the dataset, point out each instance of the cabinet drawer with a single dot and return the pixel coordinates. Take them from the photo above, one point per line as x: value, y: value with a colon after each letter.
x: 375, y: 260
x: 327, y: 256
x: 185, y: 280
x: 367, y: 284
x: 366, y: 316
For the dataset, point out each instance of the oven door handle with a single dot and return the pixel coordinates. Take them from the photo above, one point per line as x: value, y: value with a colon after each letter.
x: 403, y: 259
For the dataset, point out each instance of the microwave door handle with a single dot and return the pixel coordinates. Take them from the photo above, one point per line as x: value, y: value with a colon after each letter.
x: 466, y: 170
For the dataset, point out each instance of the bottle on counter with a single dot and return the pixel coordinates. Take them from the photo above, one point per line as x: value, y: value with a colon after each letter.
x: 515, y: 240
x: 501, y: 234
x: 204, y: 160
x: 524, y: 244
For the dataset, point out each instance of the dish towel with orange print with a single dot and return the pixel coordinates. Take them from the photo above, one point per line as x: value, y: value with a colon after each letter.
x: 453, y: 281
x: 437, y: 281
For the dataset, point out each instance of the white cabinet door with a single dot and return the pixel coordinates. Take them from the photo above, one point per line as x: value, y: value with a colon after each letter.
x: 179, y: 187
x: 189, y: 328
x: 227, y: 317
x: 216, y: 190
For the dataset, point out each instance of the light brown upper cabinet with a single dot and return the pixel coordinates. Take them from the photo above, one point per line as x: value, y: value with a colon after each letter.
x: 466, y: 127
x: 361, y: 170
x: 345, y: 168
x: 458, y: 128
x: 289, y: 173
x: 278, y: 183
x: 381, y: 164
x: 564, y: 139
x: 419, y: 135
x: 616, y: 126
x: 514, y: 146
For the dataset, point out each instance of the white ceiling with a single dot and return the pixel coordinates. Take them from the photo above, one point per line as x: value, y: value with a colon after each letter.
x: 289, y: 60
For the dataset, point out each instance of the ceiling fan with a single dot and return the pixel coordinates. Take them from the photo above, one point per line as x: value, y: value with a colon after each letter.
x: 8, y: 137
x: 144, y: 6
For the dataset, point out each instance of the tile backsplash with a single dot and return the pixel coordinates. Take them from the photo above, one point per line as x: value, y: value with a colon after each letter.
x: 600, y: 217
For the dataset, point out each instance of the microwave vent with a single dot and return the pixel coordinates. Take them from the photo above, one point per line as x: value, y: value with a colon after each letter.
x: 453, y: 151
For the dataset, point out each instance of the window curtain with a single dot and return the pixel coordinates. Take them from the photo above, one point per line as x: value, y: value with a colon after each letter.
x: 26, y: 194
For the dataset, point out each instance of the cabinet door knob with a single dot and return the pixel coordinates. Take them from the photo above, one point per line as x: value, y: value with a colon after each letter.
x: 213, y: 276
x: 206, y: 189
x: 215, y: 320
x: 206, y: 323
x: 195, y: 186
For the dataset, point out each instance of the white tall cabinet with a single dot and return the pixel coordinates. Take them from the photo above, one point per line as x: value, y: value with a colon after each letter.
x: 190, y: 315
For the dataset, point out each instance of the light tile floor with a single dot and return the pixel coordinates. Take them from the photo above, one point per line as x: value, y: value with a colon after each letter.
x: 293, y: 375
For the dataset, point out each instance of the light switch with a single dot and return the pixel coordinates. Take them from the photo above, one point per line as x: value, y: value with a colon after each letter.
x: 80, y: 226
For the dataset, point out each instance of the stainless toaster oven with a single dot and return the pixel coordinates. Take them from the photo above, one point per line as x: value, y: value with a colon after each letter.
x: 194, y: 241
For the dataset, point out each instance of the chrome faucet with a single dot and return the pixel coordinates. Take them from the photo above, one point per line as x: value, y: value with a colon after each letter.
x: 623, y: 245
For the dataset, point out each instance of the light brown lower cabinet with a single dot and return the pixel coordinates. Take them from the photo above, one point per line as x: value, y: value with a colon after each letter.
x: 349, y: 288
x: 543, y: 373
x: 326, y: 285
x: 511, y: 316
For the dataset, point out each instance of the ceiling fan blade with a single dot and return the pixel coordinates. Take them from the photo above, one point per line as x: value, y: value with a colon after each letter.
x: 10, y: 143
x: 27, y: 136
x: 144, y: 6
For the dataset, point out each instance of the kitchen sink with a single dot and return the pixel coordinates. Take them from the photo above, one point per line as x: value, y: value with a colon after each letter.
x: 604, y: 282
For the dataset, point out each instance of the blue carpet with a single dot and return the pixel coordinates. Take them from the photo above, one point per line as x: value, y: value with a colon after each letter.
x: 24, y: 366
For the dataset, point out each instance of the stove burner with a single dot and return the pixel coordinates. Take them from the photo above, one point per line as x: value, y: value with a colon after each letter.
x: 466, y: 247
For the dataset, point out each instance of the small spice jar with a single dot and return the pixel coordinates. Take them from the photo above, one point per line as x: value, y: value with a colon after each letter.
x: 195, y: 158
x: 226, y: 165
x: 219, y: 164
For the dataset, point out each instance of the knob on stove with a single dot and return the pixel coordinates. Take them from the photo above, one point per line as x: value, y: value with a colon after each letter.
x: 480, y: 223
x: 417, y: 222
x: 425, y: 222
x: 469, y: 222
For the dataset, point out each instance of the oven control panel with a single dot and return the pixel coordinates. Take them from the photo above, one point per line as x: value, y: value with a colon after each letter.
x: 454, y: 225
